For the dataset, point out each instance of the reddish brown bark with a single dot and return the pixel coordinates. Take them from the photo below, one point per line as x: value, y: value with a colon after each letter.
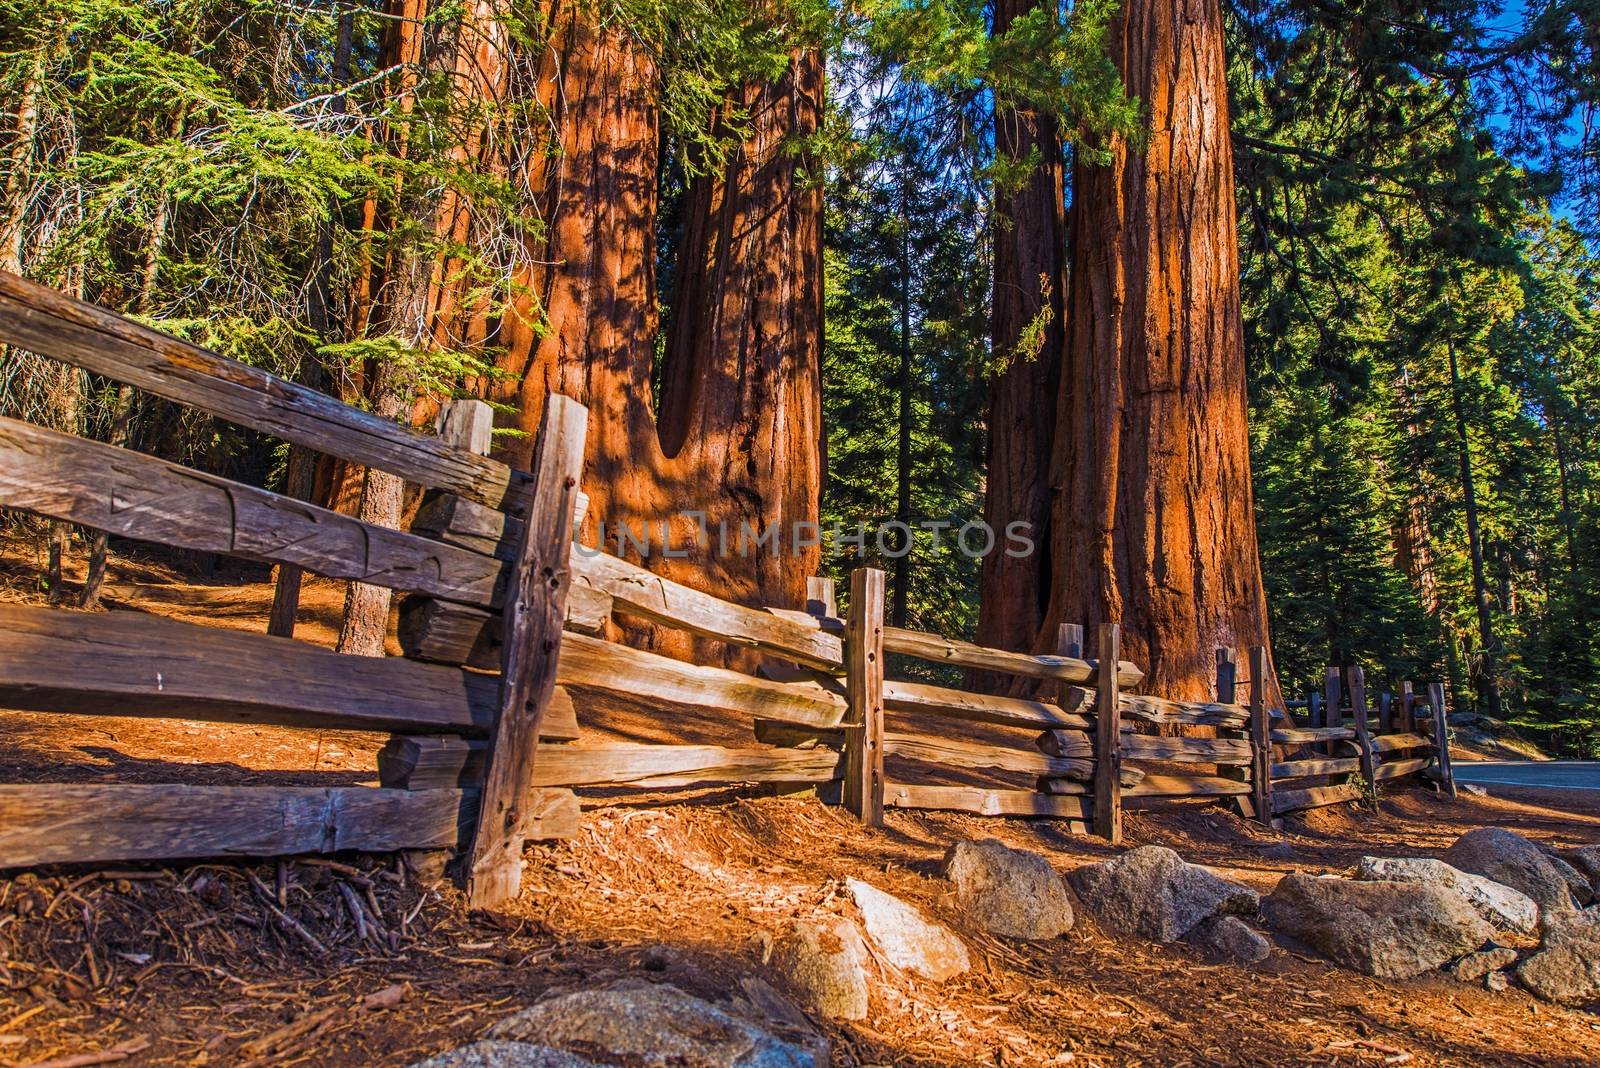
x: 1154, y: 522
x: 1030, y: 292
x: 739, y: 437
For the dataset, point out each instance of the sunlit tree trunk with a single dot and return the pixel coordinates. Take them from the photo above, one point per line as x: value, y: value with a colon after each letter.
x: 738, y: 439
x: 1154, y: 522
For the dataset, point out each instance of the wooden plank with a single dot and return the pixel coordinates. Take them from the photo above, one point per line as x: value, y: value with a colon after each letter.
x: 863, y: 733
x: 53, y: 324
x: 1186, y: 786
x: 1130, y: 776
x: 1441, y: 737
x: 1107, y: 738
x: 442, y: 632
x: 643, y: 593
x: 589, y: 664
x: 1230, y: 751
x: 795, y: 736
x: 1072, y: 744
x: 948, y: 751
x: 137, y: 496
x: 444, y: 761
x: 1387, y: 743
x: 1260, y: 744
x: 1301, y: 769
x: 51, y: 823
x: 56, y: 823
x: 132, y: 664
x: 1309, y: 735
x: 985, y: 802
x: 942, y: 650
x: 916, y: 697
x: 637, y: 591
x: 535, y: 611
x: 1358, y: 707
x: 1385, y: 713
x: 1159, y: 710
x: 1394, y: 769
x: 1314, y: 797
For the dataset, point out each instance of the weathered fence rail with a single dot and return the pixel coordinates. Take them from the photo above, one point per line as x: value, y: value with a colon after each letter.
x: 502, y: 624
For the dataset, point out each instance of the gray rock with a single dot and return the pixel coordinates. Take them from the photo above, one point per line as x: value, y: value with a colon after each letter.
x: 1012, y: 892
x: 1496, y: 982
x: 1577, y: 882
x: 1587, y: 860
x: 1476, y: 791
x: 1567, y: 969
x: 493, y: 1054
x: 654, y: 1025
x: 825, y: 963
x: 1228, y: 938
x: 1384, y: 929
x: 905, y: 937
x: 1151, y: 892
x: 1514, y: 861
x: 1505, y: 909
x: 1475, y: 966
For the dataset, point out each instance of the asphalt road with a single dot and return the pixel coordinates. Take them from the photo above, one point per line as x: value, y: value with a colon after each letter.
x: 1552, y: 774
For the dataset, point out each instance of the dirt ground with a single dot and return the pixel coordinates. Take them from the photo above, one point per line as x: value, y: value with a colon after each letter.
x: 228, y: 964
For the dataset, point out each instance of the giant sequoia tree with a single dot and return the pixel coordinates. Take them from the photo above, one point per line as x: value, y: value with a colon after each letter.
x: 737, y: 444
x: 1153, y: 515
x: 1028, y: 331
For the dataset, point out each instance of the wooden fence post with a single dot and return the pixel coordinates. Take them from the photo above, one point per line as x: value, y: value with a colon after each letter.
x: 535, y: 611
x: 1260, y: 738
x: 822, y: 599
x: 863, y: 774
x: 465, y: 423
x: 1358, y: 710
x: 1441, y: 737
x: 1108, y: 737
x: 1407, y: 716
x: 1386, y: 713
x: 1227, y: 676
x: 1332, y: 697
x: 1314, y: 715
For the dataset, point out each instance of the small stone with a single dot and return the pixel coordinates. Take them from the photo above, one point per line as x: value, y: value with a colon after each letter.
x: 1476, y: 791
x: 825, y: 963
x: 1153, y: 893
x: 906, y: 938
x: 1496, y: 982
x: 656, y: 1025
x: 1228, y: 938
x: 1012, y: 892
x: 1475, y: 966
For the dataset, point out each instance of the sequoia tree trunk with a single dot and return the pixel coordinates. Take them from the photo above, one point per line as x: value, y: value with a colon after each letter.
x: 741, y: 399
x: 738, y: 440
x: 1028, y: 320
x: 1154, y: 519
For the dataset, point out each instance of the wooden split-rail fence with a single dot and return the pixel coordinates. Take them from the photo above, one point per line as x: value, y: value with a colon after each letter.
x: 502, y: 621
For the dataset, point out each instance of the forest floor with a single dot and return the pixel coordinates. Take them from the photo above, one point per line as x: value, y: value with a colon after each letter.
x: 185, y: 964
